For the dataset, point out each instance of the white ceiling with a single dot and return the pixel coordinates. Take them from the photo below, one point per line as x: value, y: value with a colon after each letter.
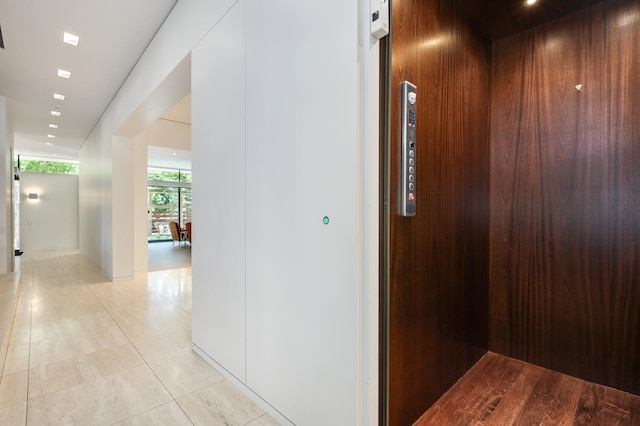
x: 168, y: 158
x: 113, y: 36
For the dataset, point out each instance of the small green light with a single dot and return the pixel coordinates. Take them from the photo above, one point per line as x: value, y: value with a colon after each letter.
x: 325, y: 220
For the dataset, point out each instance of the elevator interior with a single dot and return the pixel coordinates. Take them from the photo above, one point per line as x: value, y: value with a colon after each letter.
x: 526, y: 237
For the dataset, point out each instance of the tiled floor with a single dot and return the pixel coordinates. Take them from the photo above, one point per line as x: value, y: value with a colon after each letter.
x: 167, y: 255
x: 86, y: 351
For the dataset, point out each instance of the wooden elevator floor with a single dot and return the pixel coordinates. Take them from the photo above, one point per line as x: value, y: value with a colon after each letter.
x: 504, y: 391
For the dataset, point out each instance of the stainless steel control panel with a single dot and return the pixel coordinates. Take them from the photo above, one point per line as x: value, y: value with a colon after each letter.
x: 408, y: 167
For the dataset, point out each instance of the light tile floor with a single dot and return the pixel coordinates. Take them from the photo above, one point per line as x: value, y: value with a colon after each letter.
x: 87, y: 351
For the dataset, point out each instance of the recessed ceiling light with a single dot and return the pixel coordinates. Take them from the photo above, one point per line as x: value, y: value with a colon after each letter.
x: 49, y: 143
x: 71, y: 39
x: 51, y: 136
x: 64, y: 74
x: 175, y: 153
x: 56, y: 113
x: 530, y: 2
x: 53, y: 126
x: 58, y: 96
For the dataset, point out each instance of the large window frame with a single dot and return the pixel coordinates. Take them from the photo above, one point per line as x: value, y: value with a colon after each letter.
x: 174, y: 194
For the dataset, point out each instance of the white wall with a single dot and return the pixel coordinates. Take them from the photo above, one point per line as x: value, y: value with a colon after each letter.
x: 218, y: 192
x: 6, y: 184
x: 281, y: 137
x: 141, y: 204
x: 123, y: 219
x: 96, y: 227
x: 51, y: 221
x: 302, y: 165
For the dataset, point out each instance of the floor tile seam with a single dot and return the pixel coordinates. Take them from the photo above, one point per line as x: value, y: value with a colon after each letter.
x: 176, y: 397
x: 170, y: 301
x: 221, y: 380
x: 10, y: 325
x: 190, y: 351
x: 134, y: 347
x: 153, y: 408
x: 68, y: 389
x: 146, y: 362
x: 157, y: 378
x: 79, y: 355
x: 84, y: 382
x: 151, y: 359
x: 31, y: 295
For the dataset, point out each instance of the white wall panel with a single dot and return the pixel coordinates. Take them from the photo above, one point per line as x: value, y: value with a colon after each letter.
x: 141, y: 203
x: 6, y: 184
x: 123, y: 218
x: 218, y: 188
x: 302, y: 165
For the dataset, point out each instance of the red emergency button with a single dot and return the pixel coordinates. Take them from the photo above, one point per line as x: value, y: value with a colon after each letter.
x: 411, y: 196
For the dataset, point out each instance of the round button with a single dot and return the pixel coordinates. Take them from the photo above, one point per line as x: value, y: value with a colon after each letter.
x: 412, y: 178
x: 412, y: 161
x: 412, y: 154
x: 411, y: 187
x: 412, y: 170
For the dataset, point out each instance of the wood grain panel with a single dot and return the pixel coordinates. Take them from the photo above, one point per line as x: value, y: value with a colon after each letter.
x: 438, y: 321
x: 565, y: 195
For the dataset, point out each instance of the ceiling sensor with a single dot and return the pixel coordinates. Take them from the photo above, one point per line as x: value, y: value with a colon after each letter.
x: 1, y: 40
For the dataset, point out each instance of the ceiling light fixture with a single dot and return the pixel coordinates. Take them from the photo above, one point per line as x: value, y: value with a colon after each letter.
x: 531, y: 2
x: 64, y: 74
x: 49, y: 143
x: 58, y: 96
x: 71, y: 39
x: 53, y: 126
x: 51, y: 136
x: 56, y: 113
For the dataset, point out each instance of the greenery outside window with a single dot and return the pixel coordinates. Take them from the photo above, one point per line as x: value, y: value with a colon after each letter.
x: 169, y: 201
x: 37, y: 165
x: 168, y: 175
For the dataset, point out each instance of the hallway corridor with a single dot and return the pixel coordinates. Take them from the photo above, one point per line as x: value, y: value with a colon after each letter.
x: 87, y: 351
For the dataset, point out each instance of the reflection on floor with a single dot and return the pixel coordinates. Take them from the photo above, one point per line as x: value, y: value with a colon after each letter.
x: 167, y: 255
x: 87, y: 351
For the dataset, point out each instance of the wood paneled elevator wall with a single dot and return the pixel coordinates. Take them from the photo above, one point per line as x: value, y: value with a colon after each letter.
x: 439, y: 259
x: 565, y: 195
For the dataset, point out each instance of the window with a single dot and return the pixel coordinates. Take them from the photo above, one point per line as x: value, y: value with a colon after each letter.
x: 169, y: 201
x: 42, y: 165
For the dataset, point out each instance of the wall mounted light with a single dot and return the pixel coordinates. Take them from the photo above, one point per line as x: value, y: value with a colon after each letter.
x: 33, y: 195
